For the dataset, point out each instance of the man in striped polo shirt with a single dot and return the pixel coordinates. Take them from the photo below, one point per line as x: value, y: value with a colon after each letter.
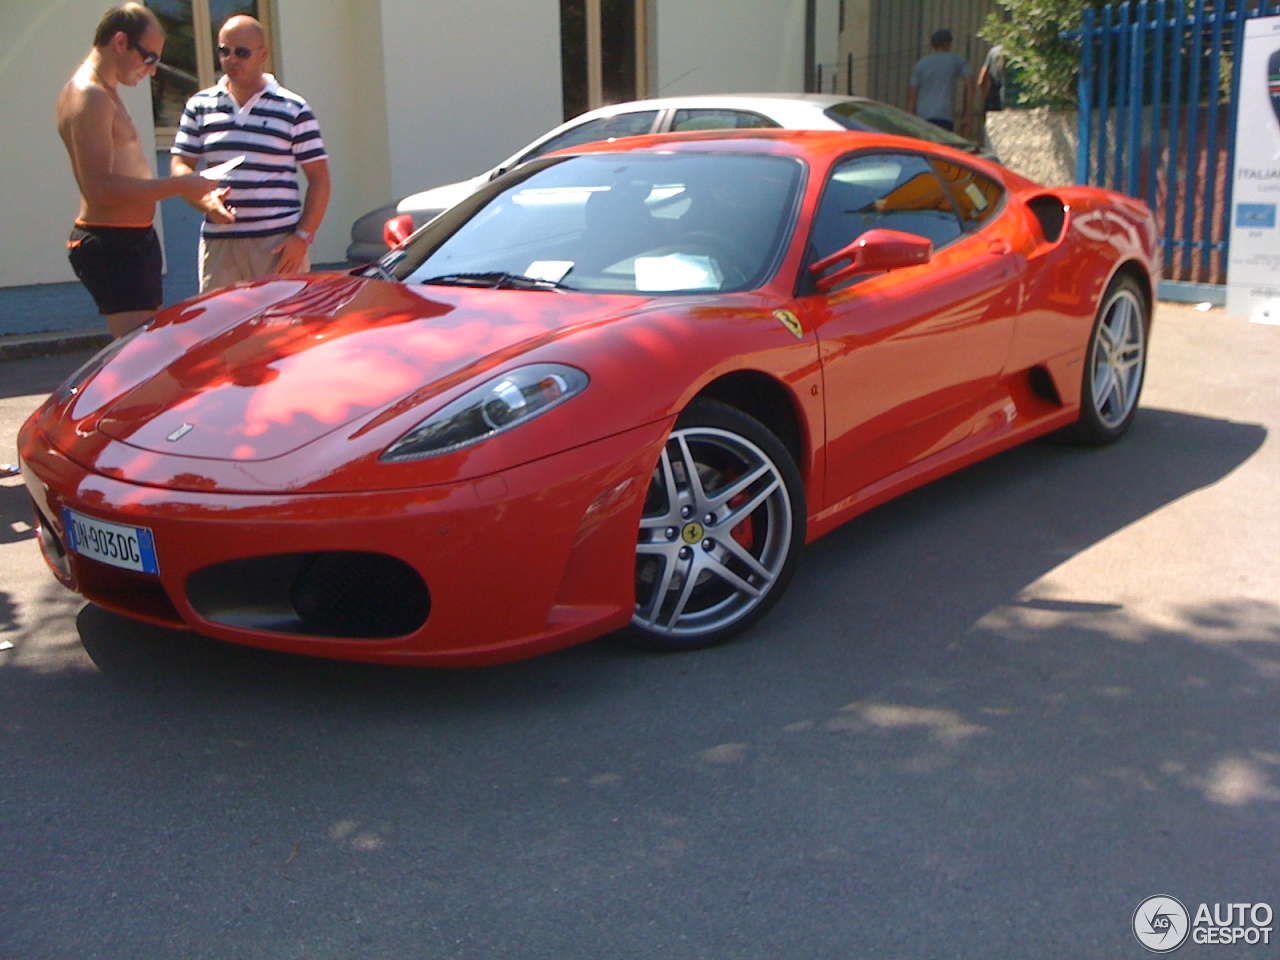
x: 267, y: 132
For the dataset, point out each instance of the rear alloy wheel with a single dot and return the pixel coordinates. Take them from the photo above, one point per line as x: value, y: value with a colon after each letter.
x: 1114, y: 366
x: 723, y: 524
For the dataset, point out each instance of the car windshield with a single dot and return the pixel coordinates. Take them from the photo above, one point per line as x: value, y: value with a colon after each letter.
x: 870, y: 115
x: 661, y: 223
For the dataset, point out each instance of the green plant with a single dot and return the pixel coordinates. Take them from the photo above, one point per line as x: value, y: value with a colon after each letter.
x: 1043, y: 65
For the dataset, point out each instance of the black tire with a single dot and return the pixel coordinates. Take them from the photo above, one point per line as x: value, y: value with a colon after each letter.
x: 723, y: 525
x: 1114, y: 367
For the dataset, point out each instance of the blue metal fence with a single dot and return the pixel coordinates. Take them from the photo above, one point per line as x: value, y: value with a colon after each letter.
x: 1159, y: 84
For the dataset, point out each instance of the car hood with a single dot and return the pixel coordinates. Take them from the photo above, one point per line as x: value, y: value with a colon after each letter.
x: 260, y: 370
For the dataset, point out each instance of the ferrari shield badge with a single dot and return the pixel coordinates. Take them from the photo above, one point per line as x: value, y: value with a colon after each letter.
x: 790, y: 321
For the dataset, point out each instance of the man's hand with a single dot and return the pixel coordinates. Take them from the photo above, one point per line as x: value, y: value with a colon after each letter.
x: 193, y: 188
x: 291, y: 251
x: 215, y: 208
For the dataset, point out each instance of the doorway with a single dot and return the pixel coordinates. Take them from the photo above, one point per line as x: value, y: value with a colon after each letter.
x: 602, y: 53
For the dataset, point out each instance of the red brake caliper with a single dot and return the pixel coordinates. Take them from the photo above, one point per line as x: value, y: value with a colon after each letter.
x: 745, y: 532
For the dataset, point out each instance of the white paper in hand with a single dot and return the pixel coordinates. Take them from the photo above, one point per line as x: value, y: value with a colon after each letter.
x: 219, y: 170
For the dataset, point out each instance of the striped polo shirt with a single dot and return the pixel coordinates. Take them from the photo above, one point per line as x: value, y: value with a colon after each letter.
x: 274, y: 131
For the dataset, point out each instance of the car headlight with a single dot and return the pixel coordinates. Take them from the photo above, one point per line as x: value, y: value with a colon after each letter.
x: 491, y: 408
x: 71, y: 386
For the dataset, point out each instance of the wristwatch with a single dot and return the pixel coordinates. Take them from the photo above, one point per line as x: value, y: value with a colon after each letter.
x: 306, y: 235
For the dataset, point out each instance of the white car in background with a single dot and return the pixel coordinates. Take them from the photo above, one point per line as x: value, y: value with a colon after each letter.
x: 814, y: 111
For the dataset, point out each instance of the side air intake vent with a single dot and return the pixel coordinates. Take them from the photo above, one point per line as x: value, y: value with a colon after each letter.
x: 1052, y: 215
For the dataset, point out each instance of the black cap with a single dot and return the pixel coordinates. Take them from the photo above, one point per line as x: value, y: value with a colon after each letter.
x: 940, y: 37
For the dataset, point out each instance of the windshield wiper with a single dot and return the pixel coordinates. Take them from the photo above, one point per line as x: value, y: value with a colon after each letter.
x: 497, y: 279
x: 376, y: 269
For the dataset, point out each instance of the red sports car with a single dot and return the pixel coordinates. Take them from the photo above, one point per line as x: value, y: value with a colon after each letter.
x: 618, y: 388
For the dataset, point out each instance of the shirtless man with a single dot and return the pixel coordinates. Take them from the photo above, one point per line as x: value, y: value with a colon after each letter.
x: 113, y: 246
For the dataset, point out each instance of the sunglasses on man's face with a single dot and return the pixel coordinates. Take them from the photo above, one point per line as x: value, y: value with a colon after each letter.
x: 149, y: 58
x: 241, y: 53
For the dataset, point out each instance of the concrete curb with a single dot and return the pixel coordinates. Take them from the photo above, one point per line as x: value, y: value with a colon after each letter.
x: 48, y: 344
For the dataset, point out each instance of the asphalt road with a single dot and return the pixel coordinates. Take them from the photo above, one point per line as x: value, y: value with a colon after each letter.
x: 987, y: 721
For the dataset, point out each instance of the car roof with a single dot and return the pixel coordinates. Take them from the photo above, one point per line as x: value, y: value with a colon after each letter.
x: 818, y: 100
x: 777, y: 106
x: 780, y: 142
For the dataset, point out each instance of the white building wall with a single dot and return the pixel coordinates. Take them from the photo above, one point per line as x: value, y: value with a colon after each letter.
x: 41, y: 44
x: 468, y: 84
x: 724, y: 46
x: 330, y: 52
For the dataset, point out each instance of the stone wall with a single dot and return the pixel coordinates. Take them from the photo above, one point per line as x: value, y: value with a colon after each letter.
x: 1038, y: 143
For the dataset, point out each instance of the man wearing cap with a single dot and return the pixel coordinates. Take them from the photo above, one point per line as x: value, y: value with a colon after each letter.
x: 932, y: 94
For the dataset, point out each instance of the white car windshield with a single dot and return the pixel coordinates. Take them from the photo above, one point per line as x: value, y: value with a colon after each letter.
x: 615, y: 223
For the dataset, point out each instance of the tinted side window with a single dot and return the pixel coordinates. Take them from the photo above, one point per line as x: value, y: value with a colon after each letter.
x: 883, y: 191
x: 706, y: 119
x: 977, y: 197
x: 602, y: 128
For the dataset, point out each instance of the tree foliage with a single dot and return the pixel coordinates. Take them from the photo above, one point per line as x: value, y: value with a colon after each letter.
x: 1045, y: 65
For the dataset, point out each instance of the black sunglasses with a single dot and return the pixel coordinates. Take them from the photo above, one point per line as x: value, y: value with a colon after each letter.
x: 242, y: 53
x: 149, y: 59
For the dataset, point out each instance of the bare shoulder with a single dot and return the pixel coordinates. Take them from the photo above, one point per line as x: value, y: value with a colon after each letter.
x: 83, y: 100
x: 84, y: 92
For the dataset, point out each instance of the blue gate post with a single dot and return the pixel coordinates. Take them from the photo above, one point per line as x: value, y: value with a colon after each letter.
x: 1193, y: 120
x: 1085, y: 117
x: 1175, y: 114
x: 1104, y: 96
x: 1136, y: 33
x: 1237, y: 45
x: 1211, y: 160
x: 1125, y: 69
x: 1157, y: 98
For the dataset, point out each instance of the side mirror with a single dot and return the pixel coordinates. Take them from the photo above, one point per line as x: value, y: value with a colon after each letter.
x: 397, y: 230
x: 873, y: 252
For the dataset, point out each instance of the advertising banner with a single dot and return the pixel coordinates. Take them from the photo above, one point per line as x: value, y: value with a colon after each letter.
x: 1253, y: 270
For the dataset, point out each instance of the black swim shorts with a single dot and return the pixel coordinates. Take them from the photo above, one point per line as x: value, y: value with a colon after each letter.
x: 120, y: 266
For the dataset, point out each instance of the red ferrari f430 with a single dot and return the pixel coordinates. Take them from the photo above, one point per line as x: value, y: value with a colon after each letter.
x: 618, y: 388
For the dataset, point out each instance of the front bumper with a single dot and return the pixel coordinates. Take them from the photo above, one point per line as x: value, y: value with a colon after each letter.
x: 535, y: 558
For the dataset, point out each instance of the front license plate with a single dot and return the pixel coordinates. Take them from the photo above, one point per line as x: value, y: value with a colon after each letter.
x: 132, y: 548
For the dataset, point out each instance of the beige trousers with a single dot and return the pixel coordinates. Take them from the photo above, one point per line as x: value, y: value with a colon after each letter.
x: 223, y: 262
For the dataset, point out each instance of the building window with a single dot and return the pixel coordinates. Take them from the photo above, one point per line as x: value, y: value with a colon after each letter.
x: 602, y: 53
x: 190, y: 53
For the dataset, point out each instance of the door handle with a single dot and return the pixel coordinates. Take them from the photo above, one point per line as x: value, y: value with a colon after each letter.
x: 999, y: 248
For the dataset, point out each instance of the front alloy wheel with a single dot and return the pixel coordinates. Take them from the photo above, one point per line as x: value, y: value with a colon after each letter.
x: 723, y: 524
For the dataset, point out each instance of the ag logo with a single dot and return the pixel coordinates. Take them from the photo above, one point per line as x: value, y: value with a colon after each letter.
x: 1161, y: 924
